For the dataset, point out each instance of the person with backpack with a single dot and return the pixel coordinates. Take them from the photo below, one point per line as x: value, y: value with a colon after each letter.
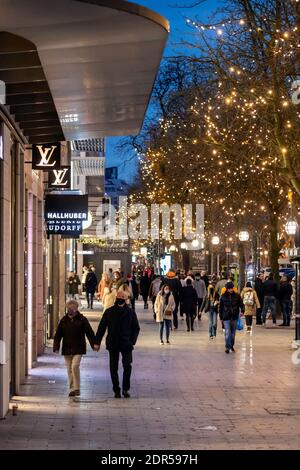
x: 251, y: 302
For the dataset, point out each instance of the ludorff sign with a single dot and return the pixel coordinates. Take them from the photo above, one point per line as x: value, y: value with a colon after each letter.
x: 64, y: 214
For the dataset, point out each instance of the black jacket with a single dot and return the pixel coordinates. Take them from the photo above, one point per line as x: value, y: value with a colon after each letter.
x: 73, y: 331
x: 91, y: 282
x: 175, y: 286
x: 270, y: 288
x: 230, y: 306
x: 73, y: 283
x: 122, y: 328
x: 258, y: 287
x: 145, y: 285
x: 189, y: 300
x: 285, y: 291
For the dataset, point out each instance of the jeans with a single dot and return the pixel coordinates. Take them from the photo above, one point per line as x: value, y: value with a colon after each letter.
x: 73, y: 364
x: 161, y: 329
x: 269, y: 304
x: 286, y: 312
x: 90, y: 298
x: 230, y: 330
x: 127, y: 367
x: 212, y: 322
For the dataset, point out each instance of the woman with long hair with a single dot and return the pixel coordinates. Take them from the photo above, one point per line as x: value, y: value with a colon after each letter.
x: 164, y: 307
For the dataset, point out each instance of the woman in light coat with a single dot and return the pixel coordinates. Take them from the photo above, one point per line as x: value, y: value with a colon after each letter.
x: 164, y: 307
x: 251, y: 302
x: 105, y: 281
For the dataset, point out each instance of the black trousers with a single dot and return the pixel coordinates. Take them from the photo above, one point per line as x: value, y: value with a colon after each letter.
x: 114, y: 366
x: 90, y: 298
x: 189, y: 321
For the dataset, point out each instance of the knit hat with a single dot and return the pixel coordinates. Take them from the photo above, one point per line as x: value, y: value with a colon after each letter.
x: 229, y: 285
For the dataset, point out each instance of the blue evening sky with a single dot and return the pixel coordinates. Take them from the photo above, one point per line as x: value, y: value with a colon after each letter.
x: 179, y: 30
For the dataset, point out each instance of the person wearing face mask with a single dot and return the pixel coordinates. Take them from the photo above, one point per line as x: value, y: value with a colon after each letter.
x: 72, y: 329
x: 123, y: 329
x: 164, y: 307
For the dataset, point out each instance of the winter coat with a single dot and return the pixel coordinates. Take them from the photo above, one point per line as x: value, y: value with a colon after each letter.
x: 285, y: 291
x: 189, y: 300
x: 258, y: 287
x: 73, y: 283
x: 175, y: 286
x: 91, y: 282
x: 154, y: 288
x: 200, y: 287
x: 145, y: 285
x: 211, y: 300
x: 270, y: 288
x: 230, y: 306
x: 122, y: 328
x: 160, y: 306
x: 73, y: 331
x: 109, y: 298
x: 249, y: 294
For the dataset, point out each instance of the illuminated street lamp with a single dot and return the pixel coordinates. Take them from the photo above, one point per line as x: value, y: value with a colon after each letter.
x: 215, y: 240
x: 291, y: 227
x: 244, y: 236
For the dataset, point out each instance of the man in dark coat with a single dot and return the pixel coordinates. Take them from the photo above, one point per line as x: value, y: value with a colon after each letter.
x: 230, y: 306
x: 174, y: 283
x: 73, y: 284
x: 91, y: 284
x: 285, y: 298
x: 258, y: 287
x: 123, y: 328
x: 72, y: 329
x: 189, y: 304
x: 271, y: 293
x: 144, y: 288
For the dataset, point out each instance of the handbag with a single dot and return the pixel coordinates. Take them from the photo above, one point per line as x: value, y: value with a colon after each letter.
x: 168, y: 314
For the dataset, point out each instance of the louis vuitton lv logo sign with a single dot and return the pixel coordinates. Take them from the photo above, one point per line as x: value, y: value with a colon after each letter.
x: 46, y: 157
x: 60, y: 178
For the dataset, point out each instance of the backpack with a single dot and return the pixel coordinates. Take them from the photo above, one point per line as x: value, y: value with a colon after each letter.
x: 249, y: 299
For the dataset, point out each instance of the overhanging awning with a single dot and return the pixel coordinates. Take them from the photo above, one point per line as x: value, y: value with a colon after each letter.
x: 85, y: 69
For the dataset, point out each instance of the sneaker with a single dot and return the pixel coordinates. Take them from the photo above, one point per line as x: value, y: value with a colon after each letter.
x: 126, y: 394
x: 211, y: 338
x: 274, y: 325
x: 227, y: 351
x: 162, y: 343
x: 118, y: 395
x: 72, y: 394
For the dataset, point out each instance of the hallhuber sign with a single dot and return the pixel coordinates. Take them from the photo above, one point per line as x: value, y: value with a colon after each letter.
x: 64, y: 214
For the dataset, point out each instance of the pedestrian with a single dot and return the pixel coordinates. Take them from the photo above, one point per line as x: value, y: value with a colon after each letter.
x: 221, y: 283
x: 144, y: 288
x: 133, y: 289
x: 189, y: 304
x: 210, y: 306
x: 200, y: 287
x: 205, y: 278
x: 285, y: 298
x: 117, y: 281
x: 251, y: 303
x: 91, y: 283
x: 154, y: 290
x: 123, y: 329
x: 230, y: 306
x: 258, y: 287
x: 105, y: 281
x: 85, y: 270
x: 72, y: 330
x: 73, y: 284
x: 176, y: 288
x: 164, y: 307
x: 271, y: 293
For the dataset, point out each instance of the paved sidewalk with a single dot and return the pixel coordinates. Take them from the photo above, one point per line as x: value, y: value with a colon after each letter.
x: 187, y: 395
